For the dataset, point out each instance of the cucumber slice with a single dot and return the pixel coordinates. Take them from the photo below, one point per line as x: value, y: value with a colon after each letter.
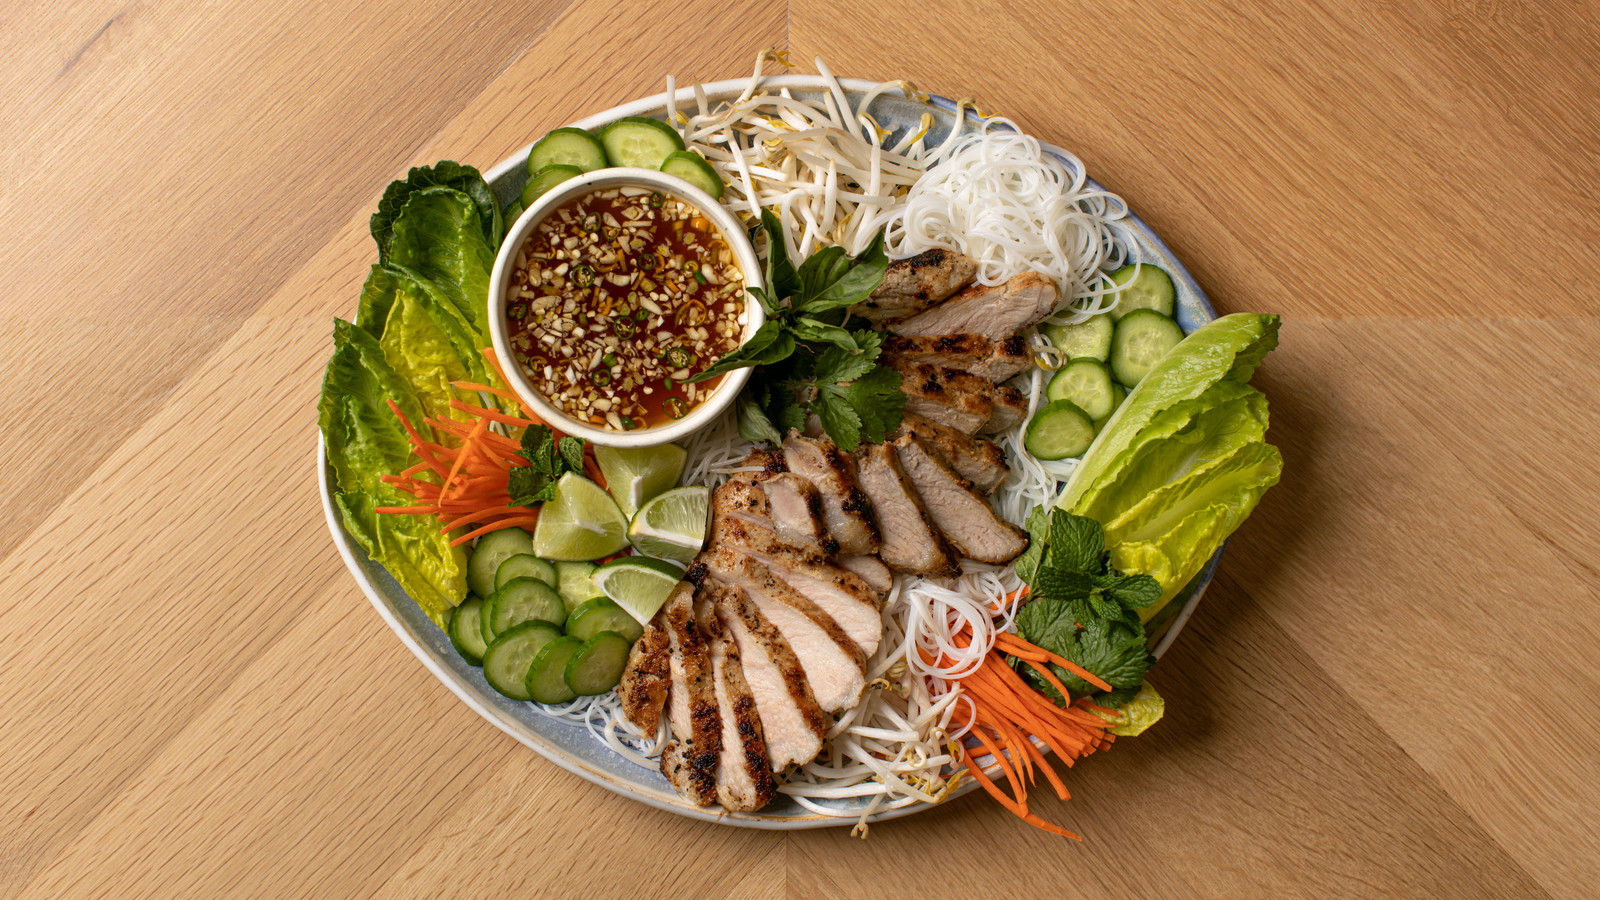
x: 523, y: 600
x: 545, y: 179
x: 1118, y: 394
x: 638, y: 141
x: 510, y: 657
x: 1147, y: 288
x: 524, y: 565
x: 493, y: 549
x: 1087, y: 383
x: 567, y: 147
x: 466, y: 630
x: 1090, y: 338
x: 546, y: 679
x: 597, y: 666
x: 603, y: 614
x: 1143, y: 337
x: 513, y: 213
x: 690, y: 167
x: 1059, y: 430
x: 575, y: 582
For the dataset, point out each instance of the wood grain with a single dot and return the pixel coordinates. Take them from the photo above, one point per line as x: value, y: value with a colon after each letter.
x: 1386, y: 692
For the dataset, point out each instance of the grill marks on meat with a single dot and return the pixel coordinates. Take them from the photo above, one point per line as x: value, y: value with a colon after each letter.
x: 965, y: 517
x: 643, y: 690
x: 949, y: 396
x: 913, y: 284
x: 793, y: 725
x: 690, y: 759
x: 744, y: 779
x: 844, y: 507
x: 1010, y: 408
x: 993, y: 361
x: 993, y: 311
x: 981, y: 462
x: 910, y: 542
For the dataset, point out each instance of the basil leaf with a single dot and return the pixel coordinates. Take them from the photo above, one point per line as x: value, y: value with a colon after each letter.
x: 830, y: 280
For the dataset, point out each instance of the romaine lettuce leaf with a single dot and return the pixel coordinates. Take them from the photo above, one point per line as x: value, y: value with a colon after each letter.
x: 438, y: 236
x: 1229, y: 348
x: 411, y: 548
x: 449, y: 174
x: 422, y: 339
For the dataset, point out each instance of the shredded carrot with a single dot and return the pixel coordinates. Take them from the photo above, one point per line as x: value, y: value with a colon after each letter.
x: 493, y: 414
x: 1017, y: 643
x: 518, y: 521
x: 494, y: 363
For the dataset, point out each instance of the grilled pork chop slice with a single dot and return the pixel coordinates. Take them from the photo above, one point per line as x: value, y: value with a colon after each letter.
x: 833, y: 663
x: 994, y: 311
x: 843, y: 595
x: 845, y: 509
x: 1010, y: 408
x: 981, y: 462
x: 965, y: 517
x: 910, y: 542
x: 915, y: 283
x: 792, y: 506
x: 949, y: 396
x: 643, y: 690
x: 869, y: 569
x: 690, y: 758
x: 744, y: 779
x: 993, y: 361
x: 792, y: 723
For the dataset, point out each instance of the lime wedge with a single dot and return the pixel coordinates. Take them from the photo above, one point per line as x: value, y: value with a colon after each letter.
x: 580, y: 522
x: 635, y: 474
x: 673, y: 525
x: 638, y: 584
x: 1138, y: 714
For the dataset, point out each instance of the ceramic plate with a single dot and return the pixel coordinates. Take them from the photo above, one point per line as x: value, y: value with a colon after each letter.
x: 571, y: 746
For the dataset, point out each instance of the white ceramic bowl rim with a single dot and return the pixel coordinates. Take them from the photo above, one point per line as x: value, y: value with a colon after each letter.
x: 744, y: 253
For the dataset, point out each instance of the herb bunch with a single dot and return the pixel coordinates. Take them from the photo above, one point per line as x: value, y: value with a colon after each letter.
x: 807, y: 361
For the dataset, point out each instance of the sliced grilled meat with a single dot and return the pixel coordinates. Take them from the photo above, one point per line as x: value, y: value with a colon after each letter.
x: 962, y: 514
x: 981, y: 462
x: 993, y: 361
x: 792, y: 723
x: 744, y: 777
x: 833, y: 663
x: 794, y: 506
x: 915, y: 283
x: 949, y: 396
x: 869, y: 568
x: 994, y: 311
x: 848, y: 600
x: 910, y: 542
x: 1010, y: 409
x: 645, y: 681
x: 690, y: 758
x: 844, y: 507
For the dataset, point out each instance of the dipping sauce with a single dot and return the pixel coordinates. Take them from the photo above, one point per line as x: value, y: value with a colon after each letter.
x: 617, y: 298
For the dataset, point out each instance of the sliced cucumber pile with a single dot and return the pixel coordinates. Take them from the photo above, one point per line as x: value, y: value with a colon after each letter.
x: 1107, y: 356
x: 567, y: 147
x: 634, y: 141
x: 522, y: 606
x: 640, y: 142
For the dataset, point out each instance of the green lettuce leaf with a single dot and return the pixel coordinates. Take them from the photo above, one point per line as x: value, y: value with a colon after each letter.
x: 438, y: 237
x: 1229, y: 348
x: 420, y: 559
x: 448, y: 174
x: 427, y: 346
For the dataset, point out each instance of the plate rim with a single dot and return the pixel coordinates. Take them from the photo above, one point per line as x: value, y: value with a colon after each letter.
x: 536, y: 742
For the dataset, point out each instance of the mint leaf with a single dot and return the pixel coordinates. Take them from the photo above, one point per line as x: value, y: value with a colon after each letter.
x: 529, y: 487
x: 1114, y: 651
x: 1077, y: 543
x: 1055, y: 581
x: 572, y: 453
x: 1132, y: 591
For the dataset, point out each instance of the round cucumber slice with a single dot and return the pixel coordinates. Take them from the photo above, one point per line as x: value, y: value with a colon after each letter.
x: 1090, y: 338
x: 575, y: 584
x: 1143, y: 338
x: 524, y: 600
x: 1146, y: 287
x: 689, y: 166
x: 567, y: 147
x: 546, y: 680
x: 602, y: 614
x: 546, y: 178
x: 510, y: 657
x: 466, y: 630
x: 493, y: 549
x: 597, y: 666
x: 1086, y: 382
x: 524, y: 565
x: 639, y: 141
x: 1059, y: 430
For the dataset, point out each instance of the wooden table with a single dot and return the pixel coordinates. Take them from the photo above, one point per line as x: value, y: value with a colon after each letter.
x: 1389, y: 690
